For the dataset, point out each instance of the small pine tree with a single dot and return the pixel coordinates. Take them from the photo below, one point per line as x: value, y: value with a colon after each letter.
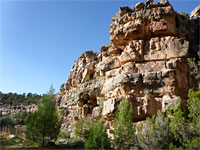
x: 124, y: 132
x: 45, y: 123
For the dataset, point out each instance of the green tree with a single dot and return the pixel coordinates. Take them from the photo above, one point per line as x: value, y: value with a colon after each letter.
x: 194, y: 118
x: 45, y: 123
x: 124, y: 132
x: 97, y: 137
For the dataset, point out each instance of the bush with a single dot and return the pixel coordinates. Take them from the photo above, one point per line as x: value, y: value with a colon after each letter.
x: 154, y: 133
x: 92, y: 133
x: 97, y: 137
x: 173, y: 130
x: 81, y: 129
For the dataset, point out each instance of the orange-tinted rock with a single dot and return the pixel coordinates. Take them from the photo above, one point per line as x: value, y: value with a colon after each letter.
x: 145, y: 62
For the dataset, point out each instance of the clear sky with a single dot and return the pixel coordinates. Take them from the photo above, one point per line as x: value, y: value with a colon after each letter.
x: 40, y: 40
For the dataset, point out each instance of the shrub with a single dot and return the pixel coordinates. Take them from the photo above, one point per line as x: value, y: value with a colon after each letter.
x: 154, y: 133
x: 92, y: 133
x: 81, y: 129
x: 97, y: 137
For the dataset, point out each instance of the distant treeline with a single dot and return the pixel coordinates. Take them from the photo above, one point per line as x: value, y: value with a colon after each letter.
x: 15, y: 99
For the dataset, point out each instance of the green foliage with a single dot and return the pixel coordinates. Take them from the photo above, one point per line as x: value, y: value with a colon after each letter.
x: 92, y: 133
x: 194, y: 105
x: 45, y: 123
x: 97, y: 137
x: 154, y: 133
x: 185, y: 14
x: 16, y: 99
x: 6, y: 120
x: 64, y: 134
x: 193, y: 144
x: 62, y: 88
x: 124, y: 132
x: 81, y: 129
x: 194, y: 116
x: 194, y: 66
x: 173, y: 130
x: 21, y: 118
x: 177, y: 126
x: 87, y: 78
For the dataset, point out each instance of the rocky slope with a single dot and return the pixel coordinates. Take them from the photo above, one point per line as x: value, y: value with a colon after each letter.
x: 145, y: 62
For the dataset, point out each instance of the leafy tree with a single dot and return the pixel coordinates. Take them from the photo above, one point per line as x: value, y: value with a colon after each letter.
x: 124, y: 132
x: 97, y: 136
x: 45, y: 123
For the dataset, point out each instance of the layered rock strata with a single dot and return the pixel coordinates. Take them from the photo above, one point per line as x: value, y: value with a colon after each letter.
x: 145, y: 62
x: 6, y: 109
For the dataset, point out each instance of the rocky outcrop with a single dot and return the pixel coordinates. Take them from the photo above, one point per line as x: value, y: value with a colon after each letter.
x: 145, y: 62
x: 7, y: 109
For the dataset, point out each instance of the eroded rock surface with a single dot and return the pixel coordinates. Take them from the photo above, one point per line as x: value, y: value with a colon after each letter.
x: 11, y: 110
x: 145, y: 62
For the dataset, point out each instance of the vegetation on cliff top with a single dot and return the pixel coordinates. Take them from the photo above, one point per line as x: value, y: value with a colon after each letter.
x: 14, y: 99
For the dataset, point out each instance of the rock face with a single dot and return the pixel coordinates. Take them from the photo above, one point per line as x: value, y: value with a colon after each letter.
x: 145, y: 62
x: 11, y: 110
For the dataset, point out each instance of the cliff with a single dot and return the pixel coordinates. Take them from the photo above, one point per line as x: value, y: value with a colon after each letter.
x: 145, y: 62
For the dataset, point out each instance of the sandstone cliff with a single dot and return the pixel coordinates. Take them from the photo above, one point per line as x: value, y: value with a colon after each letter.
x: 145, y: 62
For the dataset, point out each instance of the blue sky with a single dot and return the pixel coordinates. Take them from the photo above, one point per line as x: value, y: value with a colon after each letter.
x: 40, y: 40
